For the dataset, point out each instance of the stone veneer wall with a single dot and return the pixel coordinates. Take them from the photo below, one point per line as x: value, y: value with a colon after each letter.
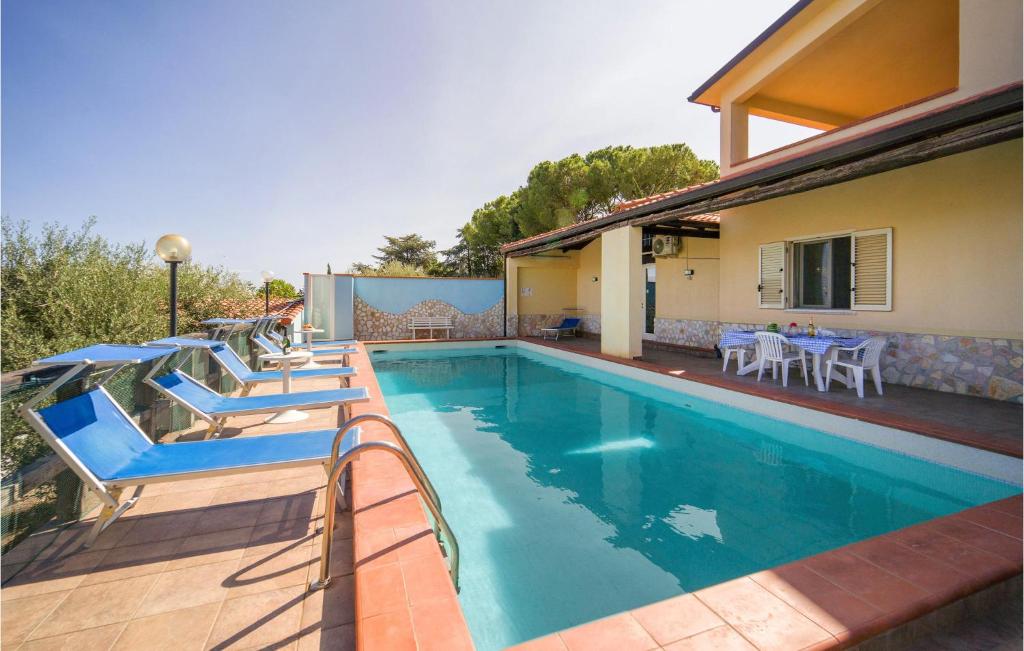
x: 974, y: 366
x: 529, y: 325
x: 372, y: 324
x: 685, y: 332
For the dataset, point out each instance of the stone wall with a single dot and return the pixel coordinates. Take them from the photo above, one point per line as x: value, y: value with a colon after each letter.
x: 529, y: 325
x: 686, y: 332
x: 372, y: 324
x: 974, y: 366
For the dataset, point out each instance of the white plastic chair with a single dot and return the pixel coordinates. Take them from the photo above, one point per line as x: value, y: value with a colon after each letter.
x: 772, y: 347
x: 864, y: 357
x: 741, y: 356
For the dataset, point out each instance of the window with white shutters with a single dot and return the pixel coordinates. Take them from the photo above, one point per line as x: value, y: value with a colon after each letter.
x: 771, y: 287
x: 871, y: 277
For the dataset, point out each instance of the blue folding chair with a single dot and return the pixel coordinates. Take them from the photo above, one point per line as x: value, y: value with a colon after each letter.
x: 101, y: 444
x: 235, y: 367
x: 568, y: 327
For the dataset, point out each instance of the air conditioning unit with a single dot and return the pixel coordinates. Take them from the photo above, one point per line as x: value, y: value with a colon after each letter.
x: 664, y: 245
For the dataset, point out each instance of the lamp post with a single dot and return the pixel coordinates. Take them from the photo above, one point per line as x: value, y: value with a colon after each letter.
x: 267, y: 277
x: 173, y: 249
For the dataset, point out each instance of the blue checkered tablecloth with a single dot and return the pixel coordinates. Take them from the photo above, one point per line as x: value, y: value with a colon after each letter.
x: 813, y: 345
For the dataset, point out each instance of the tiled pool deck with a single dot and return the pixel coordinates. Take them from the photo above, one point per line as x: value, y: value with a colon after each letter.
x: 224, y: 563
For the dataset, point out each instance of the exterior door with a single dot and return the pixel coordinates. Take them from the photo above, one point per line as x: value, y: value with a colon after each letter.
x: 649, y: 273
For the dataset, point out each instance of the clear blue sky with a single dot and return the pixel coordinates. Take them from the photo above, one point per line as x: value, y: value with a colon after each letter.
x: 287, y: 135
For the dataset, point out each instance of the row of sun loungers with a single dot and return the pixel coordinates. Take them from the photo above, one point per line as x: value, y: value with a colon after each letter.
x: 101, y: 443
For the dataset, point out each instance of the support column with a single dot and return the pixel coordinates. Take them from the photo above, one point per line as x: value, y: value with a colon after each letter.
x: 734, y: 134
x: 622, y: 293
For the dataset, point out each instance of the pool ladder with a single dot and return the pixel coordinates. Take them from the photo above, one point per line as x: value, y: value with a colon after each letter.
x: 419, y: 478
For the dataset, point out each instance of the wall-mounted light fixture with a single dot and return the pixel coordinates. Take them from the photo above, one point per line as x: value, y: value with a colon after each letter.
x: 593, y: 279
x: 688, y: 273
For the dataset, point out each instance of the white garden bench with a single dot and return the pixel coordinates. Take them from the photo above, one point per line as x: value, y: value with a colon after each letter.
x: 431, y: 323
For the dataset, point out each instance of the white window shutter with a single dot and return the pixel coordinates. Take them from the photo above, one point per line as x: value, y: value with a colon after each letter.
x: 771, y: 285
x: 871, y: 276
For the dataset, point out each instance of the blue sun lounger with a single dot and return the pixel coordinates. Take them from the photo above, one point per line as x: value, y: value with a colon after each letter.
x: 224, y: 328
x: 103, y: 446
x: 270, y: 346
x: 568, y: 327
x: 234, y: 366
x: 210, y: 406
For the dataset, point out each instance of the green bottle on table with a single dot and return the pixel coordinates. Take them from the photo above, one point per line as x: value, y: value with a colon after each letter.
x: 286, y: 345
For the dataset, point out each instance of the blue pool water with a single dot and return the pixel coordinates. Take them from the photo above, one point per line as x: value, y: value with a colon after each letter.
x: 576, y: 494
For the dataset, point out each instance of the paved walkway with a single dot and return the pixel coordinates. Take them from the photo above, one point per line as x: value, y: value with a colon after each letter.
x: 218, y: 563
x: 979, y: 422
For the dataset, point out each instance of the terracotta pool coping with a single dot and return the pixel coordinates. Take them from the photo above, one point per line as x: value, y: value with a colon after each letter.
x: 832, y: 600
x: 405, y: 599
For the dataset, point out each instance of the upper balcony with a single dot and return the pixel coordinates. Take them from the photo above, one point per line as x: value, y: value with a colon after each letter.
x: 841, y: 68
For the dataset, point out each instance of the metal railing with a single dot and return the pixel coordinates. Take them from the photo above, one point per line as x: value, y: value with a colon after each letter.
x: 412, y: 467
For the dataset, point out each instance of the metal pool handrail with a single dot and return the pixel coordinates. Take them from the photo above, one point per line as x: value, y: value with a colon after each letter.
x: 419, y: 479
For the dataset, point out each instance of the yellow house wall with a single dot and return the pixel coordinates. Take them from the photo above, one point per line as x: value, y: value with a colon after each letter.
x: 989, y: 57
x: 588, y: 292
x: 551, y: 278
x: 679, y: 297
x: 957, y: 239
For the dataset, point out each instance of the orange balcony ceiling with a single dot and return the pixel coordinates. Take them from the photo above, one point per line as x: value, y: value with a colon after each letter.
x: 895, y: 53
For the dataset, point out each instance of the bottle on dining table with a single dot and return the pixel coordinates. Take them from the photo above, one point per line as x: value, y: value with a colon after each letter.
x: 286, y: 345
x: 811, y: 330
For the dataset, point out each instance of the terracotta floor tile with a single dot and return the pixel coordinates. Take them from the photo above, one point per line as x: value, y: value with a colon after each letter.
x: 100, y: 637
x: 134, y: 560
x: 332, y: 607
x: 214, y: 547
x: 183, y: 630
x: 1011, y: 505
x: 187, y: 587
x: 877, y: 587
x: 760, y: 616
x: 676, y: 618
x: 935, y: 577
x: 221, y: 518
x: 71, y: 540
x: 1004, y: 523
x: 826, y: 604
x: 263, y: 620
x: 29, y: 548
x: 616, y: 633
x: 427, y: 579
x: 374, y: 547
x: 379, y: 590
x: 288, y: 507
x: 52, y: 575
x: 169, y: 503
x: 96, y: 605
x: 156, y: 528
x: 392, y: 631
x: 238, y: 493
x: 928, y: 540
x: 722, y: 638
x: 433, y: 623
x: 980, y: 537
x: 339, y: 638
x: 275, y: 536
x: 280, y: 569
x: 551, y: 642
x: 19, y: 617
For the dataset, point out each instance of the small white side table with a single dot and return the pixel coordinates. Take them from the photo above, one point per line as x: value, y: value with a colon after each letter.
x: 292, y: 415
x: 308, y: 336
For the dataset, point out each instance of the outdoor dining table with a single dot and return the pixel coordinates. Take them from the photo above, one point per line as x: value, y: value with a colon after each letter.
x: 308, y: 335
x: 818, y: 346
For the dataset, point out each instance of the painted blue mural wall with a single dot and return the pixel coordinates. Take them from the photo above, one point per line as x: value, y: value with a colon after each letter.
x: 397, y: 295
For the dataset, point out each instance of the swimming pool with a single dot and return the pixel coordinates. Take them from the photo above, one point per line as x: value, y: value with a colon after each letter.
x: 578, y: 493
